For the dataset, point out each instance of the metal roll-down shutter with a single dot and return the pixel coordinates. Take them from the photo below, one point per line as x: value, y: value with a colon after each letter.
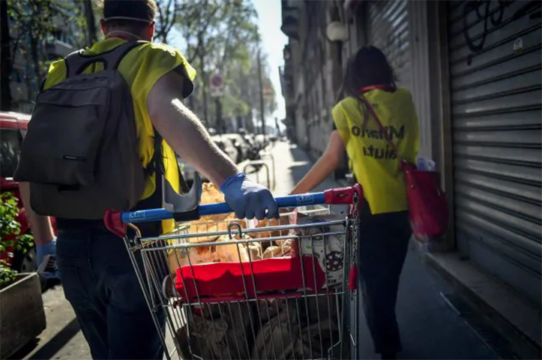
x: 387, y: 28
x: 496, y: 75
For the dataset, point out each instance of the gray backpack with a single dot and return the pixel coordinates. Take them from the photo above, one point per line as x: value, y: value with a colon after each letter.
x: 80, y: 153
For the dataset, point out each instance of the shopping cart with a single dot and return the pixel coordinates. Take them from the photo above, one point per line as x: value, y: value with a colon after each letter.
x: 301, y: 302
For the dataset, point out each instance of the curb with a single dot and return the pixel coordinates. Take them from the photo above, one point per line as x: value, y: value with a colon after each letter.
x: 501, y: 305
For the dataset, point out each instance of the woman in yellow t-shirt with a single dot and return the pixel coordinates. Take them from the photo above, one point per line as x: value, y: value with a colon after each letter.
x: 385, y: 226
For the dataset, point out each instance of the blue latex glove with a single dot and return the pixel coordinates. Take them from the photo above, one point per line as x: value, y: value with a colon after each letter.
x: 41, y: 252
x: 248, y: 199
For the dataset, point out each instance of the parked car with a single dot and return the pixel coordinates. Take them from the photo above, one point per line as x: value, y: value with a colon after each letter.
x: 231, y: 145
x: 254, y: 147
x: 263, y: 140
x: 13, y: 127
x: 242, y: 147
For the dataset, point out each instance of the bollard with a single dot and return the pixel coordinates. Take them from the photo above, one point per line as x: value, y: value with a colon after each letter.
x: 272, y: 158
x: 263, y: 164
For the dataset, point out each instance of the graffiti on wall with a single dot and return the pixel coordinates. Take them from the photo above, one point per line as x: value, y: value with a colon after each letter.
x: 491, y: 13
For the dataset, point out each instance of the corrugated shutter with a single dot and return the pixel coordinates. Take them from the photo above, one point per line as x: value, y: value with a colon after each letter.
x: 387, y: 29
x: 495, y: 70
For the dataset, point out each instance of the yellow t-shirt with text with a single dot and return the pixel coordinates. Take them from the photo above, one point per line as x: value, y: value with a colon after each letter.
x: 141, y: 68
x: 373, y: 162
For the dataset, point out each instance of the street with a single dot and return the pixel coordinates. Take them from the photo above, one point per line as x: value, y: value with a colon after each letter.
x: 433, y: 106
x: 430, y: 328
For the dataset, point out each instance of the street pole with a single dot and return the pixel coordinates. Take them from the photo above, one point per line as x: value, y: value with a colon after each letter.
x: 91, y: 22
x: 262, y: 115
x: 218, y: 107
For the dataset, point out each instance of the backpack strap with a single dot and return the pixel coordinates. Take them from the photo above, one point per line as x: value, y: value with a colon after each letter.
x: 77, y: 62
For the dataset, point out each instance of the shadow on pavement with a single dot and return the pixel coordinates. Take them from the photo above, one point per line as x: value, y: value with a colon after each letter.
x: 298, y: 154
x: 52, y: 347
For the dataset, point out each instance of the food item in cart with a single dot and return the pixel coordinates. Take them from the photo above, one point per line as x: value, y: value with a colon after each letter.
x: 274, y: 339
x: 230, y: 252
x: 221, y: 251
x: 223, y: 333
x: 329, y: 251
x: 211, y: 195
x: 282, y: 336
x: 284, y: 220
x: 212, y: 223
x: 272, y: 252
x: 255, y: 250
x: 276, y: 251
x: 179, y: 257
x: 266, y: 234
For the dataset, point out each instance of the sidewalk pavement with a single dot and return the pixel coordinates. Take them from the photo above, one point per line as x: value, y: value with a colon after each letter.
x: 430, y: 328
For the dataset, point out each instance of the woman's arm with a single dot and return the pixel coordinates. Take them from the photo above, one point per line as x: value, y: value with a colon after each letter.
x: 327, y: 163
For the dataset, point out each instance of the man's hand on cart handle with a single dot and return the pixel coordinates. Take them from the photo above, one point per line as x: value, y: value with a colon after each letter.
x: 248, y: 199
x: 244, y: 198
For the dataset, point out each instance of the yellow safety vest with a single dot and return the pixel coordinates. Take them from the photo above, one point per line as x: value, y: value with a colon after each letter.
x: 142, y: 67
x: 373, y: 162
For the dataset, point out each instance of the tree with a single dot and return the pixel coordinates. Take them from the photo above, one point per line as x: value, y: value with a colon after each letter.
x: 92, y: 34
x: 24, y: 15
x: 5, y: 58
x: 167, y: 17
x: 216, y: 33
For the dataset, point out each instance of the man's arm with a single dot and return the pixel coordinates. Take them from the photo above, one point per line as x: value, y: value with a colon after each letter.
x: 184, y: 132
x: 186, y: 135
x: 40, y: 225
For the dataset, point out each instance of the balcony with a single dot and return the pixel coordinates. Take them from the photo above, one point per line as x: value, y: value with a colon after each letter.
x: 57, y: 49
x: 290, y: 20
x: 287, y: 86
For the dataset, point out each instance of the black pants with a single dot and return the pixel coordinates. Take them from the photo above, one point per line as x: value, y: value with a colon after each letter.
x: 383, y: 246
x: 100, y: 283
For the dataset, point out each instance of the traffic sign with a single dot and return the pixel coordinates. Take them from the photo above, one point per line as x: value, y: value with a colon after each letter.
x: 216, y: 85
x: 268, y: 91
x: 216, y: 81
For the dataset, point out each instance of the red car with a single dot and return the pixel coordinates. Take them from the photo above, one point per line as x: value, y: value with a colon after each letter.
x: 13, y: 127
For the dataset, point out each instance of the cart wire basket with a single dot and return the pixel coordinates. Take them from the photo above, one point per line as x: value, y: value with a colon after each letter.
x: 230, y: 289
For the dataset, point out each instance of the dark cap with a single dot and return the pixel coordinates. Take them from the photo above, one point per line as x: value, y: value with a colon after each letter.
x: 130, y: 10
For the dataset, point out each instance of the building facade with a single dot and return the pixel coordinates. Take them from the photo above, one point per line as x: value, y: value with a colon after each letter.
x: 474, y: 69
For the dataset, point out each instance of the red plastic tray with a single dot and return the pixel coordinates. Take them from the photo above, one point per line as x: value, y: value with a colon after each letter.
x: 226, y: 279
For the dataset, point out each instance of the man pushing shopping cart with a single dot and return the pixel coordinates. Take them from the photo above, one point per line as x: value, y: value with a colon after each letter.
x: 103, y: 135
x: 238, y: 289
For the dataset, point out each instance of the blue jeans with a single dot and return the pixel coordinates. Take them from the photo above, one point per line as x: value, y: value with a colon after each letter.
x: 100, y: 283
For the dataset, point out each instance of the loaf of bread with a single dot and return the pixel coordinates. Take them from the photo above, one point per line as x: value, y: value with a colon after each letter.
x: 212, y: 223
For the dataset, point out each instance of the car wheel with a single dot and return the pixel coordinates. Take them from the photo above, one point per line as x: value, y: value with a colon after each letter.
x: 28, y: 262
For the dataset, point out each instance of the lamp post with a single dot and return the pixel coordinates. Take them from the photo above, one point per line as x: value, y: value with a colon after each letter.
x: 336, y: 31
x: 262, y: 115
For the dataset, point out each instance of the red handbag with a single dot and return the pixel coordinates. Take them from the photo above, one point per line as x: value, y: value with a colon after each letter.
x: 427, y: 202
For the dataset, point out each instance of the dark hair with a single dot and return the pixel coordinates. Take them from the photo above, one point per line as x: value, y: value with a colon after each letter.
x: 144, y: 10
x: 369, y: 66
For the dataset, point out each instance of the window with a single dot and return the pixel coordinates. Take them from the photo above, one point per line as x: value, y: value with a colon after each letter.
x: 10, y: 152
